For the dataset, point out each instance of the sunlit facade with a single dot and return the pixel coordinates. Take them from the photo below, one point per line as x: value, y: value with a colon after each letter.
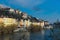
x: 8, y: 21
x: 25, y: 23
x: 21, y: 23
x: 11, y: 10
x: 24, y: 15
x: 42, y: 24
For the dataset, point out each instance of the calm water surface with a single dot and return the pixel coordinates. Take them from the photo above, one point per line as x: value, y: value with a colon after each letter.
x: 42, y: 35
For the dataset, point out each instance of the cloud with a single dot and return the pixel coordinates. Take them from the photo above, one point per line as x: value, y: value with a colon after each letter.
x: 4, y: 6
x: 29, y: 3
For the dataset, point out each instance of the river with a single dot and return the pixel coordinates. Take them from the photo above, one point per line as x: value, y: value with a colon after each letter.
x: 46, y: 34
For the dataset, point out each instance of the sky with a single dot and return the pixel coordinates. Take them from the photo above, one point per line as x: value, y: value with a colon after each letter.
x: 43, y: 9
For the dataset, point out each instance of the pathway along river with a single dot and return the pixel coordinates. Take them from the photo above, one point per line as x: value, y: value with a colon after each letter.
x: 46, y: 34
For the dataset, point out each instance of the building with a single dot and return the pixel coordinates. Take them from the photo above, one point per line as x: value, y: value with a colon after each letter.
x: 42, y: 23
x: 46, y: 23
x: 24, y: 16
x: 11, y: 10
x: 25, y: 23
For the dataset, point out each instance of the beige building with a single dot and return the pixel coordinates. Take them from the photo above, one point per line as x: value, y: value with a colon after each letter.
x: 36, y: 23
x: 25, y: 23
x: 42, y: 24
x: 21, y: 23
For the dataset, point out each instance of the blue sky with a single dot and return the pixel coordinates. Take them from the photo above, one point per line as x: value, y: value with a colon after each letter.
x: 44, y: 9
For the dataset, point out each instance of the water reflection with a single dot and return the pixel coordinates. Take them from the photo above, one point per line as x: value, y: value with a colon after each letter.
x: 6, y: 37
x: 46, y: 34
x: 43, y: 35
x: 15, y: 36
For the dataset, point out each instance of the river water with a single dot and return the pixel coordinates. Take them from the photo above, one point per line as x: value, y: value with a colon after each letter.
x: 43, y: 35
x: 46, y: 34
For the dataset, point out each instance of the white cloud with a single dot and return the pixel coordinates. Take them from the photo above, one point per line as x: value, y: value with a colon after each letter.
x: 29, y: 3
x: 4, y: 6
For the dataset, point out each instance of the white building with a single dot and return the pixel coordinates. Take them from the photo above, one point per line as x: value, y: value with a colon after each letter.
x: 11, y: 10
x: 24, y: 15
